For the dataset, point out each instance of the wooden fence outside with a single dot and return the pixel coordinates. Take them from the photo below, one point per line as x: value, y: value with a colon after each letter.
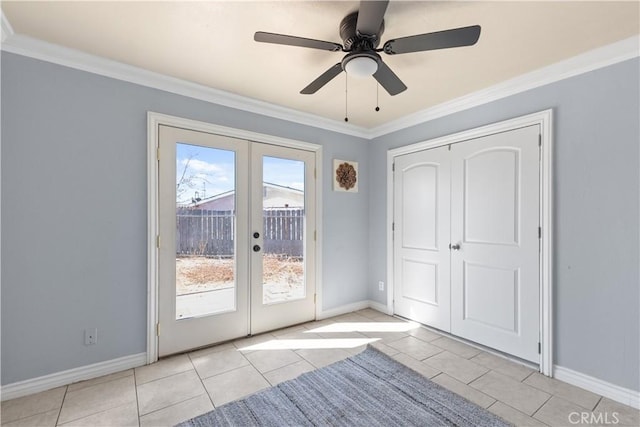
x: 210, y: 233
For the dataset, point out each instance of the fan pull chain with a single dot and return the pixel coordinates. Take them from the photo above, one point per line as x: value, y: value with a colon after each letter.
x: 377, y: 97
x: 346, y: 93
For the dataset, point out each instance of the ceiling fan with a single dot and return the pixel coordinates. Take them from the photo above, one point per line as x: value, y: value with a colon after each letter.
x: 361, y: 32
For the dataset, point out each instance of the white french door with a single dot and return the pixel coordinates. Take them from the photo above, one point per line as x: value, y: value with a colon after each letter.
x: 474, y: 212
x: 235, y: 257
x: 282, y: 291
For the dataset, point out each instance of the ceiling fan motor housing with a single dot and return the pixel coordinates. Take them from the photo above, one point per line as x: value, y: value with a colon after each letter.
x: 352, y: 40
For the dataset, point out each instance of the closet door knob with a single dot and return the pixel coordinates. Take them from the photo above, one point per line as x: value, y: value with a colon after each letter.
x: 455, y: 247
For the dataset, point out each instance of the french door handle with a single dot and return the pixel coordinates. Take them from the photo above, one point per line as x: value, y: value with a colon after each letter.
x: 256, y: 248
x: 455, y: 247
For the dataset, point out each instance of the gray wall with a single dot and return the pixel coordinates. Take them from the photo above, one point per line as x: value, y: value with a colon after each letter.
x: 596, y: 210
x: 74, y: 212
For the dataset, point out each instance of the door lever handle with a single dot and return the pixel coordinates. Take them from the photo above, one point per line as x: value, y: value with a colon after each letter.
x: 455, y: 247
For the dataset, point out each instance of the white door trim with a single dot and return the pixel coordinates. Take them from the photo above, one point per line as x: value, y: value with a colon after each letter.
x: 154, y: 120
x: 545, y: 120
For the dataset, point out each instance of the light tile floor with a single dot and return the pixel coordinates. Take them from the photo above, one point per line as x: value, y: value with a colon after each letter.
x: 180, y: 387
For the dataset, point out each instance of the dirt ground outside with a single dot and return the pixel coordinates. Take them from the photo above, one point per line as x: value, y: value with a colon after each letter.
x: 283, y: 277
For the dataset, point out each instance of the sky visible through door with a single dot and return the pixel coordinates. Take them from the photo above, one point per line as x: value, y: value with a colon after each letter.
x: 211, y: 172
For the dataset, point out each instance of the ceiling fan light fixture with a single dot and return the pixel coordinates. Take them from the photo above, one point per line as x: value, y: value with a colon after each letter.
x: 361, y: 66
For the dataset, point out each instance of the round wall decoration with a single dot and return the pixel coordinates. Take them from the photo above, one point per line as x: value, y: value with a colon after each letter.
x: 346, y: 176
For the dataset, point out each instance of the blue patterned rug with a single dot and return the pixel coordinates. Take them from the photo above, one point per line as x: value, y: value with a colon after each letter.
x: 369, y: 389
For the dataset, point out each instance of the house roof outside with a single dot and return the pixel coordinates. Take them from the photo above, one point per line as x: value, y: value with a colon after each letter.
x: 274, y: 196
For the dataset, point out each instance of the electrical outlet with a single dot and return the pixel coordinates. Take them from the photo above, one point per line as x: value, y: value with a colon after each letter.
x: 91, y: 336
x: 381, y: 285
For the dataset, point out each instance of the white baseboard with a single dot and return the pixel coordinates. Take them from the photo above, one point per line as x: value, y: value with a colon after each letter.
x: 343, y: 309
x: 355, y: 306
x: 380, y: 307
x: 58, y: 379
x: 598, y: 386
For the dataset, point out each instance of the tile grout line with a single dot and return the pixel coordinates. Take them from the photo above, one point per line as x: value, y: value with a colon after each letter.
x: 177, y: 403
x: 135, y: 385
x: 201, y: 381
x: 165, y: 377
x: 305, y: 359
x: 561, y: 397
x: 98, y: 412
x: 66, y: 389
x: 525, y: 378
x: 478, y: 377
x: 222, y: 372
x: 475, y: 388
x: 517, y: 410
x: 36, y: 413
x: 534, y: 412
x: 429, y: 357
x: 260, y: 372
x: 279, y: 367
x: 544, y: 403
x: 597, y: 403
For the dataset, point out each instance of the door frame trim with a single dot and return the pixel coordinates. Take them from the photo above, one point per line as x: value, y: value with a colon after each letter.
x: 545, y: 120
x: 154, y: 120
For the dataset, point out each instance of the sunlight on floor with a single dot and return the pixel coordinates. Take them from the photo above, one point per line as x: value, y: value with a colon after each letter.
x: 299, y: 344
x: 366, y: 327
x: 332, y: 343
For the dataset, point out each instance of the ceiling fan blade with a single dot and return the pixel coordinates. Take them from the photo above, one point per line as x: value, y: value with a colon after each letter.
x: 324, y: 78
x: 263, y: 37
x: 388, y: 79
x: 370, y: 17
x: 457, y: 37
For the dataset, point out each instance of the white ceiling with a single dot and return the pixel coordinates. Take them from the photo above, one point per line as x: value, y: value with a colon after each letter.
x: 211, y: 43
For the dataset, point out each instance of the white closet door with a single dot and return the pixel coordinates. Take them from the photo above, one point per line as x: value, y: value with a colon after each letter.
x: 421, y: 237
x: 494, y: 221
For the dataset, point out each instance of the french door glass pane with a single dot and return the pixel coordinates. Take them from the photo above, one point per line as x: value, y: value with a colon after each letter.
x: 205, y: 231
x: 283, y: 204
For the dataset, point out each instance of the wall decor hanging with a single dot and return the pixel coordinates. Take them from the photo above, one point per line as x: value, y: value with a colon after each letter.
x: 345, y: 176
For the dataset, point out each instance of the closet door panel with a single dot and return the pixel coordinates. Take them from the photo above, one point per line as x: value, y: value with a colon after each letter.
x: 421, y: 238
x: 494, y: 230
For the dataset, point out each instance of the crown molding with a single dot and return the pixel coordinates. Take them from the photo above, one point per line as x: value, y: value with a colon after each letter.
x: 44, y: 51
x: 7, y: 29
x: 583, y: 63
